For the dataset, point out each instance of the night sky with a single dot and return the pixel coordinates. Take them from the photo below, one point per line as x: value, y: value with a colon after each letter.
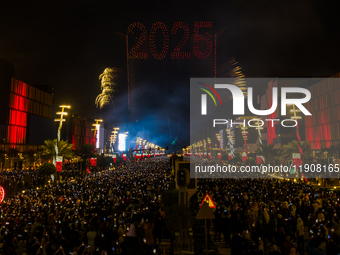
x: 68, y: 44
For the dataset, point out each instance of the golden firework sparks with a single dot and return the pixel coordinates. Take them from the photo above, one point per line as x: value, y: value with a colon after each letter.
x: 108, y: 86
x: 231, y: 69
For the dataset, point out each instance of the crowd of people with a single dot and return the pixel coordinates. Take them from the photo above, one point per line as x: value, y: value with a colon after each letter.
x: 16, y: 180
x: 254, y: 214
x: 111, y: 212
x: 120, y: 212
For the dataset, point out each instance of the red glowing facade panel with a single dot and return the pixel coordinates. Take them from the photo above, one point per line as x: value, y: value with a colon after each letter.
x: 23, y: 100
x: 323, y: 126
x: 93, y: 161
x: 270, y: 127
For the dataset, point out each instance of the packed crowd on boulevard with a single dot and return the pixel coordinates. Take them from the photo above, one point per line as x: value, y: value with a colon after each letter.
x: 120, y: 212
x: 254, y: 214
x: 110, y: 212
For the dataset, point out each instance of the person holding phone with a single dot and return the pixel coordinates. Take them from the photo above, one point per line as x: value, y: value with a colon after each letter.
x: 300, y: 228
x: 91, y: 236
x: 21, y: 246
x: 60, y: 251
x: 41, y: 251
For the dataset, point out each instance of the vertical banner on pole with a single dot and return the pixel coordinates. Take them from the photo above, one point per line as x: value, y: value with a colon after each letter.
x: 230, y: 156
x: 93, y: 161
x: 259, y: 159
x: 58, y: 163
x: 297, y: 159
x: 244, y: 156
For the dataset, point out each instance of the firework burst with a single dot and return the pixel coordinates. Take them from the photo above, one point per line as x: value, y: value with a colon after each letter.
x: 231, y: 69
x: 108, y: 86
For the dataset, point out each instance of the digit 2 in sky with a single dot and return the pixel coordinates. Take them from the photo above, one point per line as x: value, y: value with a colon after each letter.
x: 176, y: 53
x: 133, y: 54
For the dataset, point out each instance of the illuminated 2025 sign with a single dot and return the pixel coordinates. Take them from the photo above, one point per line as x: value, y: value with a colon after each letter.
x: 176, y: 53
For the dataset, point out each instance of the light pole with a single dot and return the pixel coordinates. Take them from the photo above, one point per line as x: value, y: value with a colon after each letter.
x: 61, y: 119
x: 58, y: 160
x: 296, y: 117
x: 114, y: 137
x: 231, y: 143
x: 126, y: 134
x: 96, y: 131
x: 244, y: 134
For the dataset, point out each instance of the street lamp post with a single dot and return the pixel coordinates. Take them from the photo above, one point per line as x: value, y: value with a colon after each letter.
x: 296, y: 117
x: 61, y: 120
x: 58, y: 160
x: 114, y: 137
x: 96, y: 131
x: 125, y: 138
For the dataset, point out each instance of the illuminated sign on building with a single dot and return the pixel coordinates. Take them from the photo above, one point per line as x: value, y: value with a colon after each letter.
x: 121, y: 142
x: 97, y: 137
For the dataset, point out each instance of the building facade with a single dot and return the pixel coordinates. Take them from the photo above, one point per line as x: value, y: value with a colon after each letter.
x: 323, y: 126
x: 81, y: 131
x: 26, y: 112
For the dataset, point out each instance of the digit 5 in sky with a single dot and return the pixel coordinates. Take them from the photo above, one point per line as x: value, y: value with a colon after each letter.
x: 206, y: 37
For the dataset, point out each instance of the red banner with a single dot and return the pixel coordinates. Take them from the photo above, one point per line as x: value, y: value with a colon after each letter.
x: 93, y: 161
x: 244, y: 156
x: 259, y: 160
x: 59, y: 166
x: 297, y: 162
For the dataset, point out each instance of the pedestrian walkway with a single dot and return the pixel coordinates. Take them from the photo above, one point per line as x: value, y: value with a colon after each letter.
x: 221, y: 246
x: 225, y: 250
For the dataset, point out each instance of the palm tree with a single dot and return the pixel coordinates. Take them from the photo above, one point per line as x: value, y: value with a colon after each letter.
x: 30, y: 156
x: 332, y: 151
x: 13, y: 155
x: 64, y: 149
x: 268, y: 151
x: 85, y: 151
x: 2, y: 158
x: 292, y: 147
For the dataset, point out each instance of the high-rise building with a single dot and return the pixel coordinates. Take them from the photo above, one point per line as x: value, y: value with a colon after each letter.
x: 323, y: 126
x: 6, y: 74
x: 26, y: 112
x: 276, y: 134
x: 81, y: 131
